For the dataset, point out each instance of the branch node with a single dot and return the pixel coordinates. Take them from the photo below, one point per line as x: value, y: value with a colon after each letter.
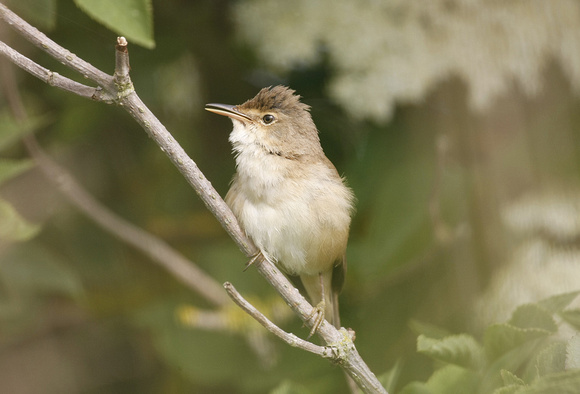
x: 52, y: 75
x: 123, y: 83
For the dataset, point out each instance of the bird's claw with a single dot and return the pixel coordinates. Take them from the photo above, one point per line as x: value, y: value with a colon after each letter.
x: 252, y: 260
x: 318, y: 316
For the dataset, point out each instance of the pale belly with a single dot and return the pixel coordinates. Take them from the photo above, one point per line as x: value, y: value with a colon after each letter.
x: 305, y: 232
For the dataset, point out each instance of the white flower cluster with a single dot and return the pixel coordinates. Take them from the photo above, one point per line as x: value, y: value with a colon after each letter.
x: 391, y: 51
x: 536, y: 271
x: 555, y: 215
x: 546, y: 260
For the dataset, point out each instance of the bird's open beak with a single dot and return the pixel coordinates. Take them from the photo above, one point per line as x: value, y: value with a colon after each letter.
x: 228, y: 110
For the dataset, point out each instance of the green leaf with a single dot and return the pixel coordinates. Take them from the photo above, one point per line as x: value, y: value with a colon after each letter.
x: 389, y: 379
x: 428, y: 330
x: 516, y: 359
x: 510, y: 379
x: 561, y: 383
x: 12, y: 168
x: 462, y: 350
x: 501, y: 338
x: 571, y: 317
x: 130, y: 18
x: 453, y: 379
x: 533, y: 316
x: 12, y: 226
x: 511, y: 389
x: 552, y: 359
x: 558, y: 302
x: 449, y: 379
x: 573, y: 353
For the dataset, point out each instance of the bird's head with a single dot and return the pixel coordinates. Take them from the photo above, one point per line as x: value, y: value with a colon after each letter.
x: 274, y: 120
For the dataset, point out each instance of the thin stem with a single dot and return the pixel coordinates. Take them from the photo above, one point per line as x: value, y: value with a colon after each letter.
x: 50, y: 77
x: 290, y: 339
x: 61, y: 54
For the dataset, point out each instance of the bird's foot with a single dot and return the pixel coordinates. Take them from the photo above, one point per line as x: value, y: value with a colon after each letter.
x: 318, y: 316
x: 253, y: 260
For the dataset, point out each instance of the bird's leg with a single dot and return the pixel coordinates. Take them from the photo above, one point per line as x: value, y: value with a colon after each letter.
x: 318, y: 313
x: 252, y: 260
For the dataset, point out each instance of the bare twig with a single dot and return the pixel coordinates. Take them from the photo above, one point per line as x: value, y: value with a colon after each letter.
x: 345, y: 352
x: 61, y: 54
x: 290, y: 339
x: 50, y: 77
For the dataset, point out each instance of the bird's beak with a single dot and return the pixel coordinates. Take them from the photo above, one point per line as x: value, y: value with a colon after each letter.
x: 228, y: 110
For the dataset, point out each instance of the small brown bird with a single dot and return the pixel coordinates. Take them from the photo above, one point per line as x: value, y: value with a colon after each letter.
x: 288, y: 196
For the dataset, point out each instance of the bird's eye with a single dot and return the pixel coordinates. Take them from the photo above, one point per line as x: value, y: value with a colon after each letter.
x: 268, y: 118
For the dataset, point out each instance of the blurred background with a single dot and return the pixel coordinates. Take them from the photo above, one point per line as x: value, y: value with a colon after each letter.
x: 455, y: 122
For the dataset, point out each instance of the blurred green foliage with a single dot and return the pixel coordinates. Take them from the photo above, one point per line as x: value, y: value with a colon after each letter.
x: 131, y: 18
x: 85, y: 313
x: 526, y: 345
